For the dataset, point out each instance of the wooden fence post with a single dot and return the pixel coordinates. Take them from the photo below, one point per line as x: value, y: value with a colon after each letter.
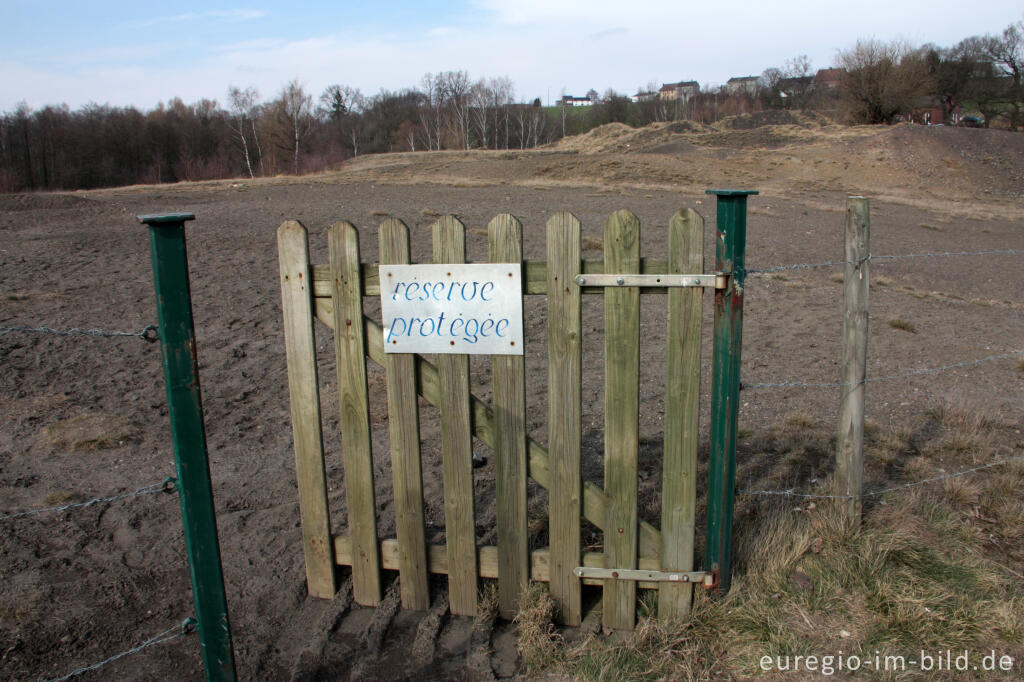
x: 850, y: 445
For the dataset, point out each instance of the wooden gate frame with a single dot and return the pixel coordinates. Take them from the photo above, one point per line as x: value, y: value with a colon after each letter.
x: 636, y: 553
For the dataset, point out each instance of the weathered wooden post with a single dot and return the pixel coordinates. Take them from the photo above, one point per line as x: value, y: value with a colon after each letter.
x: 731, y: 242
x: 181, y: 375
x: 850, y: 446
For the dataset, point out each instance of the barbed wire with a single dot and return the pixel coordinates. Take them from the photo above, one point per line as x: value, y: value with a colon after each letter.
x: 148, y: 333
x: 945, y: 254
x: 870, y: 257
x: 876, y: 493
x: 187, y: 627
x: 891, y: 377
x: 169, y: 484
x: 803, y: 266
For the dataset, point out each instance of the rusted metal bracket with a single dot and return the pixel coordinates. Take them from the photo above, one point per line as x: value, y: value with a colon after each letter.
x: 697, y: 577
x: 717, y: 281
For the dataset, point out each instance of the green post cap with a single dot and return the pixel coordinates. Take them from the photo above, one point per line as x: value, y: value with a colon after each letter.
x: 165, y: 218
x: 731, y: 192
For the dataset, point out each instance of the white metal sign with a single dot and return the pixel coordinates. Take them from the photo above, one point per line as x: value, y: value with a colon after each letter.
x: 449, y: 308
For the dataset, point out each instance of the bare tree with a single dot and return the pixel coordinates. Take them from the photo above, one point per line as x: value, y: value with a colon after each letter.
x: 431, y: 114
x: 480, y: 97
x: 295, y: 108
x: 1007, y: 54
x: 536, y: 122
x: 883, y: 80
x: 455, y: 87
x: 798, y: 73
x: 343, y: 106
x: 242, y: 104
x: 502, y: 93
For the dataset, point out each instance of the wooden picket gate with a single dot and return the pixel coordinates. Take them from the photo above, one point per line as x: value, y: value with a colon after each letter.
x: 635, y: 552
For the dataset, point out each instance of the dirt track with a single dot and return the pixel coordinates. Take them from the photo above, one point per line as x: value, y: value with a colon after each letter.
x: 81, y: 585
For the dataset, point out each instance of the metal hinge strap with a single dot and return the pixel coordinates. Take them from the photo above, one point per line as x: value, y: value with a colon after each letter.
x: 716, y: 281
x: 699, y: 577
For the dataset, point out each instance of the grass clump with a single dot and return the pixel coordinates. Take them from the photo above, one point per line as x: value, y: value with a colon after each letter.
x: 538, y: 642
x: 61, y: 497
x: 902, y: 325
x: 88, y: 432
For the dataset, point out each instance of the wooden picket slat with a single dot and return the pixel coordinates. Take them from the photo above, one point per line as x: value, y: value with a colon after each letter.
x: 505, y: 245
x: 300, y: 352
x: 456, y: 445
x: 621, y: 416
x: 354, y: 411
x: 682, y: 403
x: 403, y: 421
x: 564, y: 412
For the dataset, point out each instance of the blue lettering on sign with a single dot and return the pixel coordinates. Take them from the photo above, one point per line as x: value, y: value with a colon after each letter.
x: 472, y: 325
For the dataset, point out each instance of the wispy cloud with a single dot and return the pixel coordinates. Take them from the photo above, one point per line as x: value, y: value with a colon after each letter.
x: 228, y: 15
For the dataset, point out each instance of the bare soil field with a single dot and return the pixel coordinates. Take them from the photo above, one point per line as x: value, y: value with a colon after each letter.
x: 85, y: 417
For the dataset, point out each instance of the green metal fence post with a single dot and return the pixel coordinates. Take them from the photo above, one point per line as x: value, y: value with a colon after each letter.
x: 181, y: 375
x: 730, y: 242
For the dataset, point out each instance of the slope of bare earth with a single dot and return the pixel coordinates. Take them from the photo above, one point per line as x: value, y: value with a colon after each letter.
x: 83, y: 584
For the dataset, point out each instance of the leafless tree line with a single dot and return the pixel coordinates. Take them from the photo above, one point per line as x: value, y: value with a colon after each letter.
x: 95, y: 146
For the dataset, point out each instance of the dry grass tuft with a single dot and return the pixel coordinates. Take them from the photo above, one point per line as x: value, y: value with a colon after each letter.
x: 902, y: 325
x: 88, y: 432
x: 487, y: 603
x: 61, y: 497
x: 538, y: 642
x: 20, y: 609
x: 799, y: 420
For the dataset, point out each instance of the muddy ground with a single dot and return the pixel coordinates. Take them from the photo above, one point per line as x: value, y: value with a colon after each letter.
x: 84, y: 417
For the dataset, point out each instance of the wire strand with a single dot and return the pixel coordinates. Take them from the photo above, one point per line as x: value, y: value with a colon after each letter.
x: 891, y: 377
x: 187, y: 627
x: 148, y: 333
x: 167, y: 485
x: 829, y: 264
x: 876, y: 493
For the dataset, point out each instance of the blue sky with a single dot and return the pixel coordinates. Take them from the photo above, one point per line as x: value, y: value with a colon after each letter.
x: 141, y: 53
